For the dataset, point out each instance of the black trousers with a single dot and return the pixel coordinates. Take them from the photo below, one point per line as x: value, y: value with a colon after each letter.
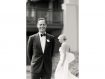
x: 42, y: 75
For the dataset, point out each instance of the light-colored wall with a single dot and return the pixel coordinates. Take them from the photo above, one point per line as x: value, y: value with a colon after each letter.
x: 71, y: 23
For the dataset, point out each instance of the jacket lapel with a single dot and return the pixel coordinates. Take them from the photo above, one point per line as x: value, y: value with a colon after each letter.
x: 46, y: 45
x: 39, y: 43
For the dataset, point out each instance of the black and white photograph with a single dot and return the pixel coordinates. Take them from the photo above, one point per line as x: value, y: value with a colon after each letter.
x: 52, y: 39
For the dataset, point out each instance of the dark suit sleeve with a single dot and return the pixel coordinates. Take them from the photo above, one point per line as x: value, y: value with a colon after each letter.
x: 30, y: 48
x: 53, y: 45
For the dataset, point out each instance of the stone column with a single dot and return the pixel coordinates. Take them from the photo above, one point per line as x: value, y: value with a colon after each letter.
x: 70, y: 8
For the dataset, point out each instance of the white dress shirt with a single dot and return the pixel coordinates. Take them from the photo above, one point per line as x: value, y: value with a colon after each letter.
x: 42, y: 41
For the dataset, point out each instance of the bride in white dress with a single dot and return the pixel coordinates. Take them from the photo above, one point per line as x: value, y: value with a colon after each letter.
x: 62, y: 71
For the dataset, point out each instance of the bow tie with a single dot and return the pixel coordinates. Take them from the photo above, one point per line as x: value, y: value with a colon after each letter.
x: 43, y: 34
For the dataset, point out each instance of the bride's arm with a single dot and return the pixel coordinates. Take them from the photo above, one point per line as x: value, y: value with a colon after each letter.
x: 63, y: 58
x: 63, y: 54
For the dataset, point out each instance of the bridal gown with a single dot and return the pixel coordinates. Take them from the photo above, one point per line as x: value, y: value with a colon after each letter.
x: 62, y: 71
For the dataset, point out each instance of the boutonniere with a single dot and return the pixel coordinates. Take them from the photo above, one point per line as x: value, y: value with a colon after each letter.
x: 48, y: 40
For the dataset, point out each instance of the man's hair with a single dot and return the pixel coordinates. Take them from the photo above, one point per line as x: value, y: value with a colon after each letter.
x: 42, y: 19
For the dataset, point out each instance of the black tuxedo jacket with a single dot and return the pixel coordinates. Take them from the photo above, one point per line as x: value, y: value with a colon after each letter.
x: 36, y: 55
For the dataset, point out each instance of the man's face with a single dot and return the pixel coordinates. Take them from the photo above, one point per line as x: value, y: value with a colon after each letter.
x: 42, y: 26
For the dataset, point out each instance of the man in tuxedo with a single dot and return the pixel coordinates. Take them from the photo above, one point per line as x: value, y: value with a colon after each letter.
x: 40, y: 52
